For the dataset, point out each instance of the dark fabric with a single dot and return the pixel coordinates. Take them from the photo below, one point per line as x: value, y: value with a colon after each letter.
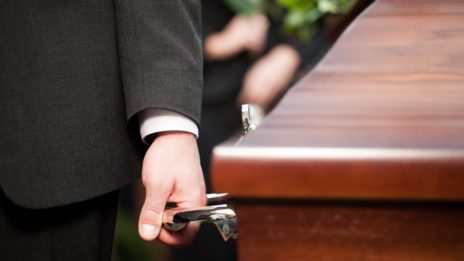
x: 277, y: 36
x: 72, y: 76
x: 83, y: 231
x: 161, y: 54
x: 218, y: 124
x: 222, y: 79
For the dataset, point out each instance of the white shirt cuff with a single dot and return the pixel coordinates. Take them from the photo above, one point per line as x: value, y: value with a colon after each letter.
x: 158, y: 120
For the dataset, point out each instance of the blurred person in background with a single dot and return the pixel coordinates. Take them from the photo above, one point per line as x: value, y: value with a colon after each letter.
x: 247, y: 60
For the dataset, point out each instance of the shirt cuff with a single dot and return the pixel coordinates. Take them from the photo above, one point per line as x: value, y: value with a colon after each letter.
x: 158, y: 120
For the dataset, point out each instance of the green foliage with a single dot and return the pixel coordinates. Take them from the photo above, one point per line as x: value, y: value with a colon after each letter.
x: 130, y: 246
x: 246, y: 7
x: 299, y: 17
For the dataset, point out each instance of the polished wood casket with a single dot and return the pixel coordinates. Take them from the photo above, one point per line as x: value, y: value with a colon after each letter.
x: 364, y: 158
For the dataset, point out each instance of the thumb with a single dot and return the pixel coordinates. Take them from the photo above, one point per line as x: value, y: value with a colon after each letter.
x: 151, y: 215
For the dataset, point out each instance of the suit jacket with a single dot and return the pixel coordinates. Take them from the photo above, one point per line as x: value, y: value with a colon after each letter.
x: 73, y: 76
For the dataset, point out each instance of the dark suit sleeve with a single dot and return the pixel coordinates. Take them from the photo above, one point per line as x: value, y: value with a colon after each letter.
x: 159, y: 43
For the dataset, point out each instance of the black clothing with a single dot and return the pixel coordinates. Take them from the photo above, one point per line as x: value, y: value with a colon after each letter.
x: 72, y: 75
x: 82, y: 231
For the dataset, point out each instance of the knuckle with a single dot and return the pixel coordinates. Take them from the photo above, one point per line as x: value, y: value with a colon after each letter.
x: 200, y: 198
x: 150, y: 181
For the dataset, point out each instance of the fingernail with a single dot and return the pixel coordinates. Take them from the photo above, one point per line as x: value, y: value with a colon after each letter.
x: 148, y: 230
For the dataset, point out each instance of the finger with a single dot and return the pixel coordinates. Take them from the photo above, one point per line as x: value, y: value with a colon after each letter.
x: 197, y: 199
x: 184, y: 237
x: 151, y: 215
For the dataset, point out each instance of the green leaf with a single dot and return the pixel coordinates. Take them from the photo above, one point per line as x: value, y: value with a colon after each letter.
x: 299, y: 17
x: 246, y: 7
x: 327, y: 6
x: 294, y: 19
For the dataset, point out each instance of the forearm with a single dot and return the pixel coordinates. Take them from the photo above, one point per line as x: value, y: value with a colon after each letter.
x: 286, y: 59
x: 241, y: 34
x: 221, y: 46
x: 270, y: 76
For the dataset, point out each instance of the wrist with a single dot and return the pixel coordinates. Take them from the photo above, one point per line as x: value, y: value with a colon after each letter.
x: 285, y: 53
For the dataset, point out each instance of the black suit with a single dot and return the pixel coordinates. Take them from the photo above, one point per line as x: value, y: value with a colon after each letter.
x: 73, y: 76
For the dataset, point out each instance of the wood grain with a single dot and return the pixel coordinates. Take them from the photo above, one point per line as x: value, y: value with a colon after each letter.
x: 364, y: 158
x: 350, y: 231
x: 381, y: 117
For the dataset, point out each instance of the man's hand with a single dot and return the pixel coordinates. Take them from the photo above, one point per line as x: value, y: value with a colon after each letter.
x: 171, y: 172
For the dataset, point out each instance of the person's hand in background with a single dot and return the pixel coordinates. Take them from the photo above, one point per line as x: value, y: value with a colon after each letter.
x: 242, y: 33
x: 171, y: 172
x: 269, y: 76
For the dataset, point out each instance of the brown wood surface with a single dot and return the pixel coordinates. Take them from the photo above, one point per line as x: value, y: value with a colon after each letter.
x: 350, y: 231
x: 381, y: 117
x: 364, y: 158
